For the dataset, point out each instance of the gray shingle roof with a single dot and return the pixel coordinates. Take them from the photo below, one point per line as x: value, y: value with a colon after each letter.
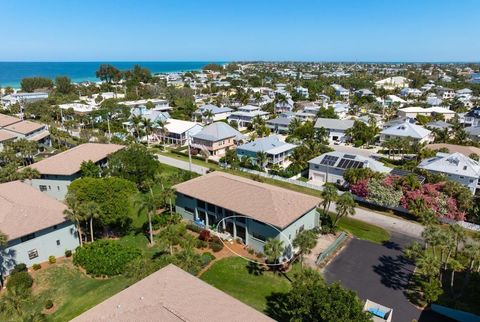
x: 218, y: 131
x: 333, y: 124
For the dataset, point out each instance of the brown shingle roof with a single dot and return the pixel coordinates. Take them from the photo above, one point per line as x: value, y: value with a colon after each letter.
x: 25, y: 210
x: 6, y: 120
x: 263, y: 202
x: 24, y: 127
x: 171, y: 294
x: 6, y: 135
x: 69, y: 162
x: 452, y: 148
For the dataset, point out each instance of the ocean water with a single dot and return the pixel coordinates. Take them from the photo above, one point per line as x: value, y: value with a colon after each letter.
x: 11, y: 73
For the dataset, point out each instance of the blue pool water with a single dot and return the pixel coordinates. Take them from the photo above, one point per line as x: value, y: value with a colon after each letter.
x: 11, y: 73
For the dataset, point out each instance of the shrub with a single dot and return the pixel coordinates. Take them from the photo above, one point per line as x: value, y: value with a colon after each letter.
x: 216, y: 247
x: 201, y: 244
x: 194, y: 228
x: 250, y: 251
x: 260, y: 255
x: 215, y: 239
x: 36, y: 267
x: 19, y: 268
x: 68, y: 253
x: 52, y: 259
x: 20, y: 281
x: 205, y: 235
x: 48, y: 304
x: 105, y: 257
x: 206, y: 258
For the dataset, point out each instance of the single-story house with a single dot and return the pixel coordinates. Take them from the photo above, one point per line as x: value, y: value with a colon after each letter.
x: 58, y: 171
x: 394, y: 82
x: 280, y: 124
x: 336, y: 129
x: 216, y: 139
x: 35, y: 226
x: 23, y: 98
x: 438, y: 125
x: 246, y: 209
x: 218, y: 113
x: 414, y: 111
x: 171, y: 295
x: 330, y: 167
x: 456, y: 167
x: 407, y: 130
x: 278, y: 152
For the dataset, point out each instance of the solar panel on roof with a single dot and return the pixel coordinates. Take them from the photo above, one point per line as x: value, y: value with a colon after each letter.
x: 349, y: 156
x: 329, y: 160
x: 347, y: 164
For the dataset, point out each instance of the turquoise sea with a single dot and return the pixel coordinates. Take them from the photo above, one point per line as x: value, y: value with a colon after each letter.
x: 11, y: 73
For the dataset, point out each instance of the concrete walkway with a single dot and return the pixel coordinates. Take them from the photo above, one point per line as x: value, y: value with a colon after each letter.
x: 392, y: 224
x: 182, y: 164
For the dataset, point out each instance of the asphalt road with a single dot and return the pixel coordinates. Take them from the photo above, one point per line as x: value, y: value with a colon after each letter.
x: 379, y: 273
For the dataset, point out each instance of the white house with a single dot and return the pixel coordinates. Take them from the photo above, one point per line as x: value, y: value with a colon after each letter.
x: 336, y: 129
x: 407, y: 130
x: 414, y: 111
x: 456, y: 167
x: 302, y: 91
x: 245, y: 115
x: 413, y: 92
x: 394, y: 82
x: 178, y: 131
x: 23, y: 98
x: 218, y: 113
x: 330, y: 167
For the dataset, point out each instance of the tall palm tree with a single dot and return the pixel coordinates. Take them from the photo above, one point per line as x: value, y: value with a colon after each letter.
x: 328, y: 195
x: 73, y: 213
x: 89, y: 211
x: 168, y: 195
x: 459, y: 236
x: 262, y: 159
x: 273, y: 249
x: 455, y: 266
x: 163, y: 129
x: 148, y: 127
x: 345, y: 207
x: 137, y: 123
x: 305, y: 241
x: 149, y: 203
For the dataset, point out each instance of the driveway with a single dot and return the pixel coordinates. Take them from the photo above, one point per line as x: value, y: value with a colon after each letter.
x: 379, y: 273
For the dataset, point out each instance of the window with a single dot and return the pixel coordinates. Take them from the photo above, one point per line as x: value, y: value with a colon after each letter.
x: 258, y: 236
x: 32, y: 254
x: 211, y: 207
x: 201, y: 204
x: 42, y: 188
x: 58, y: 188
x: 190, y: 210
x: 302, y: 227
x: 49, y: 187
x: 55, y: 227
x: 27, y: 237
x: 58, y: 242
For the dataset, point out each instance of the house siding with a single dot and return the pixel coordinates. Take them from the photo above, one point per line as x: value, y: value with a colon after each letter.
x: 45, y: 244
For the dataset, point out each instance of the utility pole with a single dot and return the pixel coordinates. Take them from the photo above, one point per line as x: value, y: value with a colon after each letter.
x: 189, y: 153
x: 108, y: 124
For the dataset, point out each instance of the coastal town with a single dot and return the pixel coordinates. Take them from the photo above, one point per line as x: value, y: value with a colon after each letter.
x: 243, y: 191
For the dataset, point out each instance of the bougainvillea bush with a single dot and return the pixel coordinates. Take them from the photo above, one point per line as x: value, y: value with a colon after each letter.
x: 444, y: 199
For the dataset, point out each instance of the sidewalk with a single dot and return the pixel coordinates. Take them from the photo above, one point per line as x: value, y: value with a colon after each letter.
x: 182, y: 164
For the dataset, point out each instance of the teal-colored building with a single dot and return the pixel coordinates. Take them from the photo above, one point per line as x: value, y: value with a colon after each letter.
x: 247, y: 210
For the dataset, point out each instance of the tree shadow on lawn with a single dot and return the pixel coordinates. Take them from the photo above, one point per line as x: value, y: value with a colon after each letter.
x: 394, y: 271
x: 254, y: 269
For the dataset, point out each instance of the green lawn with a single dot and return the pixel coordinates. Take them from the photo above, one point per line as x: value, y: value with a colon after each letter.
x: 232, y: 276
x: 363, y: 230
x: 73, y: 292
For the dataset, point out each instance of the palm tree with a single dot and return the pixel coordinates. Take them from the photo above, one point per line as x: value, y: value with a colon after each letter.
x: 262, y: 159
x: 455, y: 266
x: 163, y: 129
x: 273, y: 249
x: 73, y: 213
x: 345, y: 207
x: 30, y: 173
x: 137, y: 122
x: 459, y: 236
x: 305, y: 241
x: 208, y: 115
x: 169, y: 194
x: 89, y: 211
x: 149, y: 203
x: 328, y: 195
x: 148, y: 127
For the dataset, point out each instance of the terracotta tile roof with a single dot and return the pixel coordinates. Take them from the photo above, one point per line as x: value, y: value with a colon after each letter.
x: 6, y: 120
x: 171, y: 294
x: 263, y: 202
x: 24, y: 127
x: 25, y: 210
x: 69, y: 162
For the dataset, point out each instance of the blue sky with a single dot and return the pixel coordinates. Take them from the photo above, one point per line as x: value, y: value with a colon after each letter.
x: 179, y: 30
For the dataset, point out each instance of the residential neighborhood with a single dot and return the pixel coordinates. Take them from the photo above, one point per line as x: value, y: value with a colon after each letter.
x: 314, y: 162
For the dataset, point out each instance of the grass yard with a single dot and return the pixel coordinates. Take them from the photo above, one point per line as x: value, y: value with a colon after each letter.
x: 363, y: 230
x: 232, y: 276
x: 71, y: 291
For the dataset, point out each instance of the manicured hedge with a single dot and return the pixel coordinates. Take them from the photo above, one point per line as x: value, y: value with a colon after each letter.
x: 105, y: 257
